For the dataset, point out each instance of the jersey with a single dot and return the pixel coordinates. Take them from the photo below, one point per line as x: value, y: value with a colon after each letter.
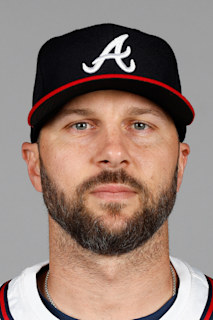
x: 20, y: 299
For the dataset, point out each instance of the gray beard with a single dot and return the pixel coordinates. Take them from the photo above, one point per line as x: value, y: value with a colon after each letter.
x: 88, y: 230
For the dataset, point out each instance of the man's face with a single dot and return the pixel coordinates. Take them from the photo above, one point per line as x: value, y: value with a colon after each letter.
x: 109, y: 170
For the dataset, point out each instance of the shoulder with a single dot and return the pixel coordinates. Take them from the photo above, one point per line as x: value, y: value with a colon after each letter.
x: 4, y: 308
x: 208, y: 311
x: 194, y: 300
x: 15, y: 293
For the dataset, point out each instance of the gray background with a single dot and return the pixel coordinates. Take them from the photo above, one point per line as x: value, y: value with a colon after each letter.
x: 25, y: 25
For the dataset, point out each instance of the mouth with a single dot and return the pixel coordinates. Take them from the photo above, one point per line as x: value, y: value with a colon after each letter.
x: 113, y: 192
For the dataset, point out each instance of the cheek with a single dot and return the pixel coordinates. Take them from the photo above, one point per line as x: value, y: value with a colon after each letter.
x: 67, y: 164
x: 157, y: 164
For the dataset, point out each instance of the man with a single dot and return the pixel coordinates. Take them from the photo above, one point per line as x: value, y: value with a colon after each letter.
x: 107, y: 152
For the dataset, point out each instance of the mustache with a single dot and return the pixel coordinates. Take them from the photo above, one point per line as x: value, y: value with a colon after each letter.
x: 106, y: 176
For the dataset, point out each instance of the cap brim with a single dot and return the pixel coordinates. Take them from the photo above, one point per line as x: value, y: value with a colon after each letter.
x: 169, y: 99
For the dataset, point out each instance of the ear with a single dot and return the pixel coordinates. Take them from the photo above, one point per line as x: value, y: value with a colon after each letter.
x: 184, y: 151
x: 30, y: 154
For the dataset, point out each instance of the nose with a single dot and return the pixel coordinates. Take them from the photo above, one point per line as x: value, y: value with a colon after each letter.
x: 112, y: 151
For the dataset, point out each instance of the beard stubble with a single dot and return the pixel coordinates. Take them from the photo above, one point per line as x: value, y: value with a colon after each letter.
x: 88, y: 229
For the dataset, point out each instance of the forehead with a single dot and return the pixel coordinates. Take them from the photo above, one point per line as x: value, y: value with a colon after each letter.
x: 122, y: 102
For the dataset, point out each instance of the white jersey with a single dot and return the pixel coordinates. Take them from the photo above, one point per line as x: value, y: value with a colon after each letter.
x: 20, y: 300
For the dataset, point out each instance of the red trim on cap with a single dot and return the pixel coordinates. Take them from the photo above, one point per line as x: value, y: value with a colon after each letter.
x: 107, y: 76
x: 2, y: 302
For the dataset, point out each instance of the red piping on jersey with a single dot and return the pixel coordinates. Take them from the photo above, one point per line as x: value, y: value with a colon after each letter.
x: 2, y: 303
x: 210, y: 310
x: 108, y: 76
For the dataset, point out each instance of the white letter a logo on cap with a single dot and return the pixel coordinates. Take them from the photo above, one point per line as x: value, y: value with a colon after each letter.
x: 106, y: 54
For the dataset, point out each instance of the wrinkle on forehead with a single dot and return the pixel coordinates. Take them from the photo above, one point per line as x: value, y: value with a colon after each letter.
x: 121, y: 102
x: 133, y: 104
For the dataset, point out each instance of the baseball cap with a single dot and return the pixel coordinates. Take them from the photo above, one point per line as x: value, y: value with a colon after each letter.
x: 104, y: 57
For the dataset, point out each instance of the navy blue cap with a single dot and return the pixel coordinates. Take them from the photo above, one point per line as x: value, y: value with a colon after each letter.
x: 103, y: 57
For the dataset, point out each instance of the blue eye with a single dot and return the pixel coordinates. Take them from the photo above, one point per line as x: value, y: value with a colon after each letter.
x: 80, y: 125
x: 140, y: 125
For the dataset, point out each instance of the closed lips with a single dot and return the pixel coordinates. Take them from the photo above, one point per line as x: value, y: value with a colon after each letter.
x: 113, y: 189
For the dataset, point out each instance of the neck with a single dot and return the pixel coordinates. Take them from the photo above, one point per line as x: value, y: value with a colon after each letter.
x: 131, y: 286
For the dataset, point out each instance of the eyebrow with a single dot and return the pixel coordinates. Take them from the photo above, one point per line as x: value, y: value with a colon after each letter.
x: 83, y: 112
x: 136, y: 111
